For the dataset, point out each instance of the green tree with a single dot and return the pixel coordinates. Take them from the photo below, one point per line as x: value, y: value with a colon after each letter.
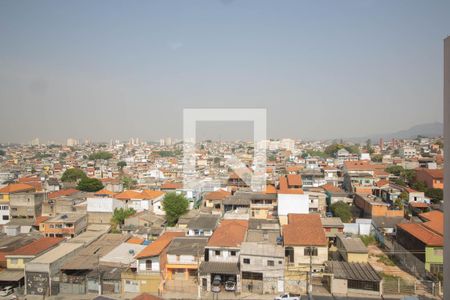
x: 100, y: 155
x: 377, y: 158
x: 2, y: 152
x: 175, y: 205
x: 398, y: 181
x: 342, y: 210
x: 121, y: 164
x: 128, y: 183
x: 419, y: 186
x: 89, y: 185
x: 120, y: 214
x: 436, y: 195
x: 395, y: 170
x: 72, y: 175
x: 333, y: 148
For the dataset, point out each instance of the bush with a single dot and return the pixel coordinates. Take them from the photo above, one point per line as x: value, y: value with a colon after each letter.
x: 368, y: 240
x: 342, y: 210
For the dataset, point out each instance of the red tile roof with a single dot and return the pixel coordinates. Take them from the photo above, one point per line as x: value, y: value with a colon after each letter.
x: 304, y: 230
x: 171, y: 185
x: 331, y: 188
x: 62, y: 193
x: 217, y: 195
x: 155, y: 248
x: 287, y: 182
x: 16, y: 188
x: 434, y: 173
x: 135, y: 240
x: 229, y: 233
x: 425, y: 235
x: 40, y: 219
x: 435, y: 221
x: 37, y: 247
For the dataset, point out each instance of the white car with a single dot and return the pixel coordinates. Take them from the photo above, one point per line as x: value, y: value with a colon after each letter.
x: 6, y: 291
x: 288, y: 296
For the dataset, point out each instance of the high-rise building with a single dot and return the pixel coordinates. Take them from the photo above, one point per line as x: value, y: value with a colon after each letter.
x: 35, y: 142
x: 71, y: 142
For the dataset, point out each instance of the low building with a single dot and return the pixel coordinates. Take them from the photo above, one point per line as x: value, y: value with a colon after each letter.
x: 214, y: 200
x: 352, y: 249
x: 372, y: 206
x: 202, y: 225
x: 146, y: 274
x: 332, y: 226
x: 26, y: 204
x: 222, y: 254
x: 434, y: 178
x: 41, y: 274
x: 73, y: 276
x: 183, y: 260
x: 291, y: 197
x: 262, y: 267
x: 306, y: 246
x: 425, y: 240
x: 343, y: 278
x: 64, y: 225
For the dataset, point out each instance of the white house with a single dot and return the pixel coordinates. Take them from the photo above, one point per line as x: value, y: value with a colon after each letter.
x: 291, y: 198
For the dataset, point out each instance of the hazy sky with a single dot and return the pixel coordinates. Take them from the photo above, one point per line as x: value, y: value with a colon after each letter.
x: 116, y: 69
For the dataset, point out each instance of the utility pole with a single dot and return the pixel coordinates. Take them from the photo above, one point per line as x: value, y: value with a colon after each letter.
x: 310, y: 250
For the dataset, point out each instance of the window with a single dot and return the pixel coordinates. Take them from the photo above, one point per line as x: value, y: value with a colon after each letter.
x: 14, y: 261
x: 310, y: 251
x: 252, y: 276
x: 217, y: 252
x: 178, y: 258
x: 148, y: 264
x: 289, y: 253
x: 246, y: 261
x: 280, y: 262
x: 270, y: 263
x: 5, y: 218
x: 233, y: 253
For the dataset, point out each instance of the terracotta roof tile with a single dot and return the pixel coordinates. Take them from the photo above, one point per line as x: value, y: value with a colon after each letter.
x: 217, y: 195
x: 16, y: 188
x: 229, y: 233
x: 419, y: 231
x: 135, y: 240
x: 155, y: 248
x: 304, y: 230
x: 62, y: 193
x: 38, y: 246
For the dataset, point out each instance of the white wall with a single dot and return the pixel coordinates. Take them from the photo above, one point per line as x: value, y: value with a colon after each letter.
x: 183, y: 259
x: 293, y: 204
x: 103, y: 204
x: 225, y: 255
x: 155, y: 264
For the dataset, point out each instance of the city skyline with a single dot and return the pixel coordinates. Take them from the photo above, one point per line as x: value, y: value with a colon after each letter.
x: 102, y: 74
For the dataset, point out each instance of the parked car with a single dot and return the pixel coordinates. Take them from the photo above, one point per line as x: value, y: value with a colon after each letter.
x: 230, y: 284
x: 216, y: 284
x: 288, y: 296
x: 6, y: 291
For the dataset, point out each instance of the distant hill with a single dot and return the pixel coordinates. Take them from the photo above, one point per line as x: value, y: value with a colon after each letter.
x: 427, y: 129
